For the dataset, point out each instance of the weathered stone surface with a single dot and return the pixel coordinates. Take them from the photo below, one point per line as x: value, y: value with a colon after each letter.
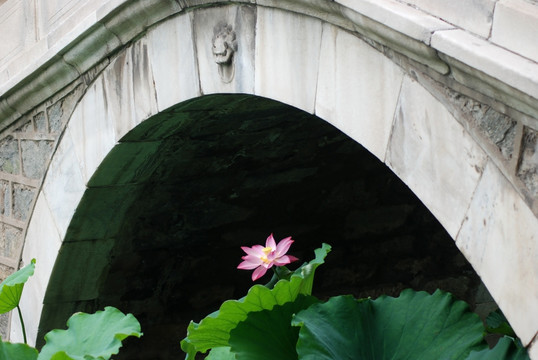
x: 5, y: 198
x: 17, y: 26
x: 497, y: 127
x: 349, y: 97
x: 238, y: 75
x: 42, y: 243
x: 10, y: 240
x: 35, y: 157
x: 405, y: 19
x: 475, y: 16
x: 64, y: 185
x: 515, y: 26
x: 528, y: 163
x: 131, y: 96
x: 9, y: 155
x: 40, y: 122
x: 54, y: 114
x: 487, y: 59
x: 5, y: 271
x: 296, y: 59
x: 500, y: 232
x: 500, y: 129
x: 434, y: 155
x: 22, y: 199
x: 172, y: 58
x: 25, y: 127
x: 4, y: 324
x: 92, y: 129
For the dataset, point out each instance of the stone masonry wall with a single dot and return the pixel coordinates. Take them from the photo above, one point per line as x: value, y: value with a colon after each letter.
x: 26, y: 148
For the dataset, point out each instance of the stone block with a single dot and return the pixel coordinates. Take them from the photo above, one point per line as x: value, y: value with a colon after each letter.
x: 434, y: 155
x: 487, y: 58
x: 475, y: 16
x: 54, y: 114
x: 231, y: 29
x: 497, y: 128
x: 357, y: 90
x: 64, y: 184
x: 5, y: 271
x: 173, y: 62
x: 88, y: 50
x: 35, y: 157
x: 38, y: 86
x: 25, y: 127
x: 527, y: 169
x: 7, y: 112
x: 287, y: 70
x: 400, y: 17
x: 499, y: 237
x: 5, y: 198
x: 133, y: 17
x: 9, y: 155
x: 10, y: 241
x: 515, y: 27
x: 23, y: 196
x: 129, y: 87
x: 17, y: 29
x: 40, y: 123
x: 58, y: 18
x: 91, y: 129
x: 4, y: 324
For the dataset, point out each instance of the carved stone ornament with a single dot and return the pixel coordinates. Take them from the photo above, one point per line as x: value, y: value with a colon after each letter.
x: 224, y: 47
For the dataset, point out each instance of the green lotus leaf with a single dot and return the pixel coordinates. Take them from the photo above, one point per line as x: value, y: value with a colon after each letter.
x: 90, y: 336
x: 220, y: 353
x: 10, y: 351
x: 214, y: 330
x: 11, y: 288
x: 268, y: 334
x: 416, y: 325
x: 496, y: 323
x: 506, y: 349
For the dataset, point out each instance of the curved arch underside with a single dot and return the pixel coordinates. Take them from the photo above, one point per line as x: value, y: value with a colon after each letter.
x: 392, y: 108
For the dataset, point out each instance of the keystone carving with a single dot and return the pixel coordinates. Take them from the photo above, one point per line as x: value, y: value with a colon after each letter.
x: 224, y: 47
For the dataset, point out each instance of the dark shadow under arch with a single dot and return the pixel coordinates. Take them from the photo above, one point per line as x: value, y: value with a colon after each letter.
x: 158, y: 230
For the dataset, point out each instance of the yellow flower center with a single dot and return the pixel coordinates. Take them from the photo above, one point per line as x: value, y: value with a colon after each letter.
x: 266, y: 250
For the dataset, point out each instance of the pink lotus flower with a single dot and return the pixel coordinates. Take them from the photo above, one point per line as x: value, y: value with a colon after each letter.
x: 263, y: 258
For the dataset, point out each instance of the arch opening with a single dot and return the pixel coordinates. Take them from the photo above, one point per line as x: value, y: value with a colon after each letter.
x: 157, y: 232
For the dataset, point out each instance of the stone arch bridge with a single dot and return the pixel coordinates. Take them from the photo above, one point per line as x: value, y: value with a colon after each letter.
x: 97, y: 98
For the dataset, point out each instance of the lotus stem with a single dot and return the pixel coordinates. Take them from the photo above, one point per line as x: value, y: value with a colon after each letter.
x: 22, y: 324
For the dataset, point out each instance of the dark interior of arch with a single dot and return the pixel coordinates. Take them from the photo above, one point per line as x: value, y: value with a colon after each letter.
x: 159, y: 230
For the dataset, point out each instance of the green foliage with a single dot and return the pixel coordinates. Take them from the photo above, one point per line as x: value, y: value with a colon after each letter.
x: 416, y: 325
x: 11, y: 351
x: 506, y: 349
x: 11, y: 288
x: 496, y: 323
x: 214, y: 330
x: 221, y: 353
x: 283, y: 321
x: 90, y: 336
x: 267, y: 334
